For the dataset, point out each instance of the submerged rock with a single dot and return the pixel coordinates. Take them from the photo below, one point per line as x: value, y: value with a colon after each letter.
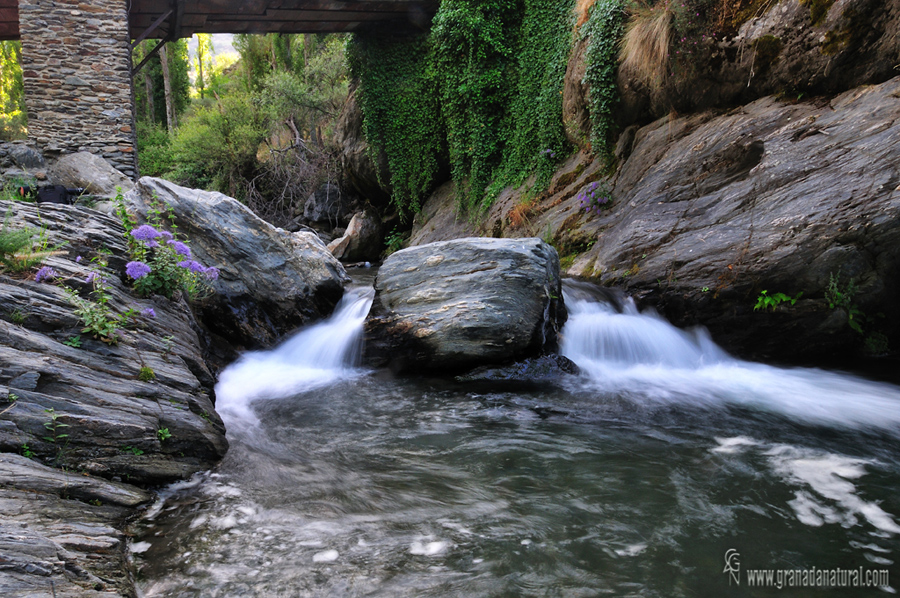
x: 270, y: 281
x: 458, y: 304
x: 547, y: 369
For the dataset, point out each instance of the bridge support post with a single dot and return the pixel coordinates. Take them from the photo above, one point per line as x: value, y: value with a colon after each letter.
x: 76, y: 62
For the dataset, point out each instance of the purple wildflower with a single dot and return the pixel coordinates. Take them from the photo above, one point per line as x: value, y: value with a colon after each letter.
x: 165, y: 235
x: 90, y: 277
x: 195, y: 267
x: 78, y: 260
x: 148, y: 313
x: 137, y: 269
x: 145, y: 232
x: 212, y: 273
x: 45, y: 273
x: 150, y: 244
x: 180, y: 248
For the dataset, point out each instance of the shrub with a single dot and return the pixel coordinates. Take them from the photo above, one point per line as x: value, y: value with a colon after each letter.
x: 161, y: 263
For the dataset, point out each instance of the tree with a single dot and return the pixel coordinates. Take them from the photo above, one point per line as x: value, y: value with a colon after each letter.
x: 12, y: 92
x: 204, y: 61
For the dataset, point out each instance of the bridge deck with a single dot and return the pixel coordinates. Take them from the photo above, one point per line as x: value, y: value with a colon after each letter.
x: 256, y: 16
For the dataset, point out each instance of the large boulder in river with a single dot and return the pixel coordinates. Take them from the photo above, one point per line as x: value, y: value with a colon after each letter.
x: 362, y: 241
x: 270, y: 281
x: 457, y: 304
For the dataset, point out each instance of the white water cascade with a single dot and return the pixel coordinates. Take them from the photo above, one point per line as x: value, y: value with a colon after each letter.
x: 642, y: 356
x: 315, y: 356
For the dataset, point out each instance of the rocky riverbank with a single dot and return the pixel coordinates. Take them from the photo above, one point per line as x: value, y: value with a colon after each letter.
x: 87, y: 424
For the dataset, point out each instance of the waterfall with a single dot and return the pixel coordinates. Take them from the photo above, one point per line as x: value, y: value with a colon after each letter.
x: 640, y: 355
x: 314, y: 356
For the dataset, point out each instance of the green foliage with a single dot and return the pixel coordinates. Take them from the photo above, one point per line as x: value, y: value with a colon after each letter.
x: 151, y: 107
x: 394, y: 241
x: 216, y: 147
x: 133, y: 450
x: 171, y: 267
x: 53, y: 426
x: 766, y: 301
x: 13, y: 116
x: 154, y: 149
x: 96, y: 316
x: 12, y: 397
x: 399, y: 102
x: 17, y: 252
x: 73, y: 341
x: 17, y: 316
x: 146, y: 374
x: 604, y: 28
x: 26, y: 451
x: 483, y: 89
x: 841, y: 297
x: 163, y: 434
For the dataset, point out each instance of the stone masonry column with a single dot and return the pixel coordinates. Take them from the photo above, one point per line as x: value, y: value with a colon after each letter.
x: 76, y: 62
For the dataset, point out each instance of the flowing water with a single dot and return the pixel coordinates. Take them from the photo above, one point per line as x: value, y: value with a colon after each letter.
x: 634, y: 479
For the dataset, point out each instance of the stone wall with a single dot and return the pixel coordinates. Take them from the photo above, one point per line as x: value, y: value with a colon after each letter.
x: 76, y: 62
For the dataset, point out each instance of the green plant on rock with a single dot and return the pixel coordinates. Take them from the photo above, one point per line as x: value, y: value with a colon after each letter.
x: 53, y: 426
x: 26, y: 451
x: 394, y: 242
x: 604, y: 29
x: 161, y: 262
x: 163, y: 434
x: 766, y: 302
x: 73, y: 341
x: 146, y: 374
x: 482, y: 91
x: 97, y: 316
x: 841, y: 297
x: 133, y: 450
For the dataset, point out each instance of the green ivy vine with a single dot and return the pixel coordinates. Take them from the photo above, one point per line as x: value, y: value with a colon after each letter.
x: 604, y: 29
x: 482, y: 92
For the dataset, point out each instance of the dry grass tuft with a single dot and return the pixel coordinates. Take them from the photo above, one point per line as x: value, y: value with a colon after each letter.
x: 582, y: 8
x: 645, y: 46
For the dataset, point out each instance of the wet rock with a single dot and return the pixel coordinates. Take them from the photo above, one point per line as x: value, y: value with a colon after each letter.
x: 270, y: 281
x: 547, y: 369
x: 362, y: 240
x: 457, y: 304
x: 25, y: 474
x: 90, y: 172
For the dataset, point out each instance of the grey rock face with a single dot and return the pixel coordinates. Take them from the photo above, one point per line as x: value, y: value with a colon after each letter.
x: 774, y: 196
x: 362, y: 240
x: 88, y: 171
x: 270, y: 281
x: 86, y: 409
x: 327, y: 205
x: 26, y: 157
x: 464, y: 303
x: 110, y: 415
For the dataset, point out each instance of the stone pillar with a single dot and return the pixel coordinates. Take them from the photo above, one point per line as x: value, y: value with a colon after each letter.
x: 76, y: 62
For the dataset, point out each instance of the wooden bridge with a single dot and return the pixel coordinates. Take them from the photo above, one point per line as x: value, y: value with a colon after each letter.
x: 76, y: 54
x: 174, y: 19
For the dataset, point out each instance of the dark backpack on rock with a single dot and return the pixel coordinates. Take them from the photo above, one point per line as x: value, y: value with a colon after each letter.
x: 53, y: 194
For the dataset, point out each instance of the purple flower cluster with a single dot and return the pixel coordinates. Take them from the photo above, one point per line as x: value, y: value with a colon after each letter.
x: 148, y: 313
x: 549, y: 153
x: 137, y: 270
x: 146, y: 235
x: 180, y: 248
x: 198, y: 268
x: 45, y: 273
x: 593, y: 198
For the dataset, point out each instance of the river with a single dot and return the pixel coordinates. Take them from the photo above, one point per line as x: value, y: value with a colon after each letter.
x: 667, y: 468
